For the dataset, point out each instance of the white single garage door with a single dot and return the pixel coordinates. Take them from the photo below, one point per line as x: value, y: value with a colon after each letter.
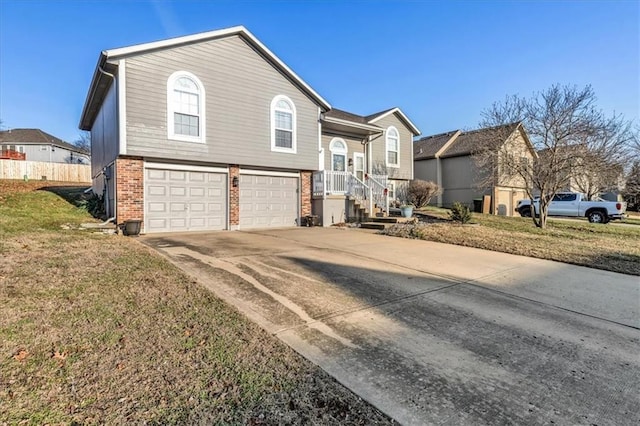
x: 268, y: 201
x: 184, y: 200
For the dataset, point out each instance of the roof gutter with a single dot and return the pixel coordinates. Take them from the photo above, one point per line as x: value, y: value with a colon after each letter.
x: 92, y: 90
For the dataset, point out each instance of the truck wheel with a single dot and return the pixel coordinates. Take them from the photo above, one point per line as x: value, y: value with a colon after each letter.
x: 596, y: 216
x: 525, y: 212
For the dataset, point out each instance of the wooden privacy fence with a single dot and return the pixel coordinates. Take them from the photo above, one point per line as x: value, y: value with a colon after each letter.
x: 38, y: 170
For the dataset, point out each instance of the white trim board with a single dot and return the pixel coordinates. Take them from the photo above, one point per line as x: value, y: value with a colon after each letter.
x: 268, y: 173
x: 226, y: 32
x: 121, y: 105
x: 185, y: 167
x: 413, y: 127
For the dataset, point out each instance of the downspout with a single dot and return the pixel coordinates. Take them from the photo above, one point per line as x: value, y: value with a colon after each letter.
x: 106, y: 185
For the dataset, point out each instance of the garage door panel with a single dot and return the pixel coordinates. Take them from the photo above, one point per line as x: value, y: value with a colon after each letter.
x: 157, y: 224
x: 157, y: 207
x: 268, y: 201
x: 177, y: 176
x: 197, y: 191
x: 214, y: 207
x: 178, y: 223
x: 153, y: 175
x: 214, y: 193
x: 177, y: 200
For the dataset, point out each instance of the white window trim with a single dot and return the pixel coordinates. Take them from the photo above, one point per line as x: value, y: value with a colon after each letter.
x: 294, y: 145
x: 391, y: 186
x: 355, y: 162
x: 386, y: 151
x: 170, y: 119
x: 339, y: 151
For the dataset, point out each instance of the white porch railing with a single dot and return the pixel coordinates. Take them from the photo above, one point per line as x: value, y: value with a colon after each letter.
x: 379, y: 192
x: 372, y: 192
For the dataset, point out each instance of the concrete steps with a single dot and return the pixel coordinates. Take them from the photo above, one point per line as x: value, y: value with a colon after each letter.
x: 383, y: 222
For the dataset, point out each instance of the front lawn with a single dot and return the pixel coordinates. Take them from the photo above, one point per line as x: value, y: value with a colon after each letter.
x: 608, y: 247
x: 98, y: 328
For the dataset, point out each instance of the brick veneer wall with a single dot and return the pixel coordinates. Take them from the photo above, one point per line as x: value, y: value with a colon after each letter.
x: 234, y: 197
x: 305, y: 193
x: 129, y: 189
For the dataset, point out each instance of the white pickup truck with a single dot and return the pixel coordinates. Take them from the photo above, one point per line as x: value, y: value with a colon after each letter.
x: 573, y: 204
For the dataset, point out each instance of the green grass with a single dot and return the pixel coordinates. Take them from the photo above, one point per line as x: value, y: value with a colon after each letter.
x: 40, y: 210
x: 608, y: 247
x: 99, y: 329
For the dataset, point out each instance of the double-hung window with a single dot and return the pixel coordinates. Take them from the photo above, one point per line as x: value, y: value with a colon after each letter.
x: 283, y: 124
x: 393, y: 147
x: 185, y: 106
x: 338, y: 148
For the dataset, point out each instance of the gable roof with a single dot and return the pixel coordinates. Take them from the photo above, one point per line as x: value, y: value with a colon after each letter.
x: 429, y: 146
x: 36, y: 137
x: 368, y: 120
x: 99, y: 86
x: 465, y: 143
x: 457, y: 143
x: 380, y: 115
x: 346, y: 116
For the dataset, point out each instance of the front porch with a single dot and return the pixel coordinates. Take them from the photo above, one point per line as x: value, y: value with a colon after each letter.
x: 342, y: 197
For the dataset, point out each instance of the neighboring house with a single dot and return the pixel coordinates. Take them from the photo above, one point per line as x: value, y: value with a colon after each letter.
x: 588, y: 174
x: 212, y: 131
x: 36, y: 145
x: 447, y: 159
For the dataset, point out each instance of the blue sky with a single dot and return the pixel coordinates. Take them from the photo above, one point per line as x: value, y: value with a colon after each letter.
x: 441, y: 62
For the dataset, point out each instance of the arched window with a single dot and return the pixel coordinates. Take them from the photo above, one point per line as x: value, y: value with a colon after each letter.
x: 338, y: 148
x: 283, y: 124
x: 185, y: 107
x: 393, y: 147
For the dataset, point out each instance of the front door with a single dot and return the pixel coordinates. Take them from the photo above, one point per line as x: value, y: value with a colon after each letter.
x: 358, y: 165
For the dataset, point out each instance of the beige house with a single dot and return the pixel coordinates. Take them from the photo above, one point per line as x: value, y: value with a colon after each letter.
x: 447, y: 159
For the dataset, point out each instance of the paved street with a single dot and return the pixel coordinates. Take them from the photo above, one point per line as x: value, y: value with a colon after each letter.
x: 432, y: 333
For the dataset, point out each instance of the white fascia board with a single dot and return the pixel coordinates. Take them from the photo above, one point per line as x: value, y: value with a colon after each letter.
x: 239, y: 30
x: 121, y: 102
x: 447, y: 144
x: 184, y: 167
x: 145, y: 47
x: 413, y: 127
x: 268, y: 173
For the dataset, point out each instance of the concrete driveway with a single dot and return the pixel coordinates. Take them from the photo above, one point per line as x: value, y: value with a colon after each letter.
x: 432, y: 333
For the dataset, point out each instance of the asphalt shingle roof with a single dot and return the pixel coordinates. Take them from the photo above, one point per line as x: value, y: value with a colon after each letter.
x: 467, y: 141
x: 427, y: 147
x: 35, y: 136
x: 344, y: 115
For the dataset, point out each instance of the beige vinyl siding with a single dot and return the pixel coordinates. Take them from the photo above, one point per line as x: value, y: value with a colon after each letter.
x: 426, y: 170
x: 353, y: 145
x: 406, y: 149
x: 239, y: 85
x: 104, y: 138
x: 517, y: 148
x: 458, y: 175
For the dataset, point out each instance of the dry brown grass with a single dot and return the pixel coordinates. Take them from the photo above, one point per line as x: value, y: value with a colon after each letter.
x: 99, y: 329
x: 608, y: 247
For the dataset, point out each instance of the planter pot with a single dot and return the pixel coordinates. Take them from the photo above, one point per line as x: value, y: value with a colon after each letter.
x: 131, y: 227
x: 406, y: 211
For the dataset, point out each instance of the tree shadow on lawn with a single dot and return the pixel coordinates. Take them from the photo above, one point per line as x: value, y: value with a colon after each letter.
x: 74, y: 195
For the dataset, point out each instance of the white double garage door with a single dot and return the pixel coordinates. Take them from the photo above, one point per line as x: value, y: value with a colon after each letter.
x: 180, y: 198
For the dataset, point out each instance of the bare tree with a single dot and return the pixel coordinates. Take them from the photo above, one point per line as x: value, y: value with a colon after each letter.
x: 568, y: 133
x: 84, y: 141
x: 600, y: 158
